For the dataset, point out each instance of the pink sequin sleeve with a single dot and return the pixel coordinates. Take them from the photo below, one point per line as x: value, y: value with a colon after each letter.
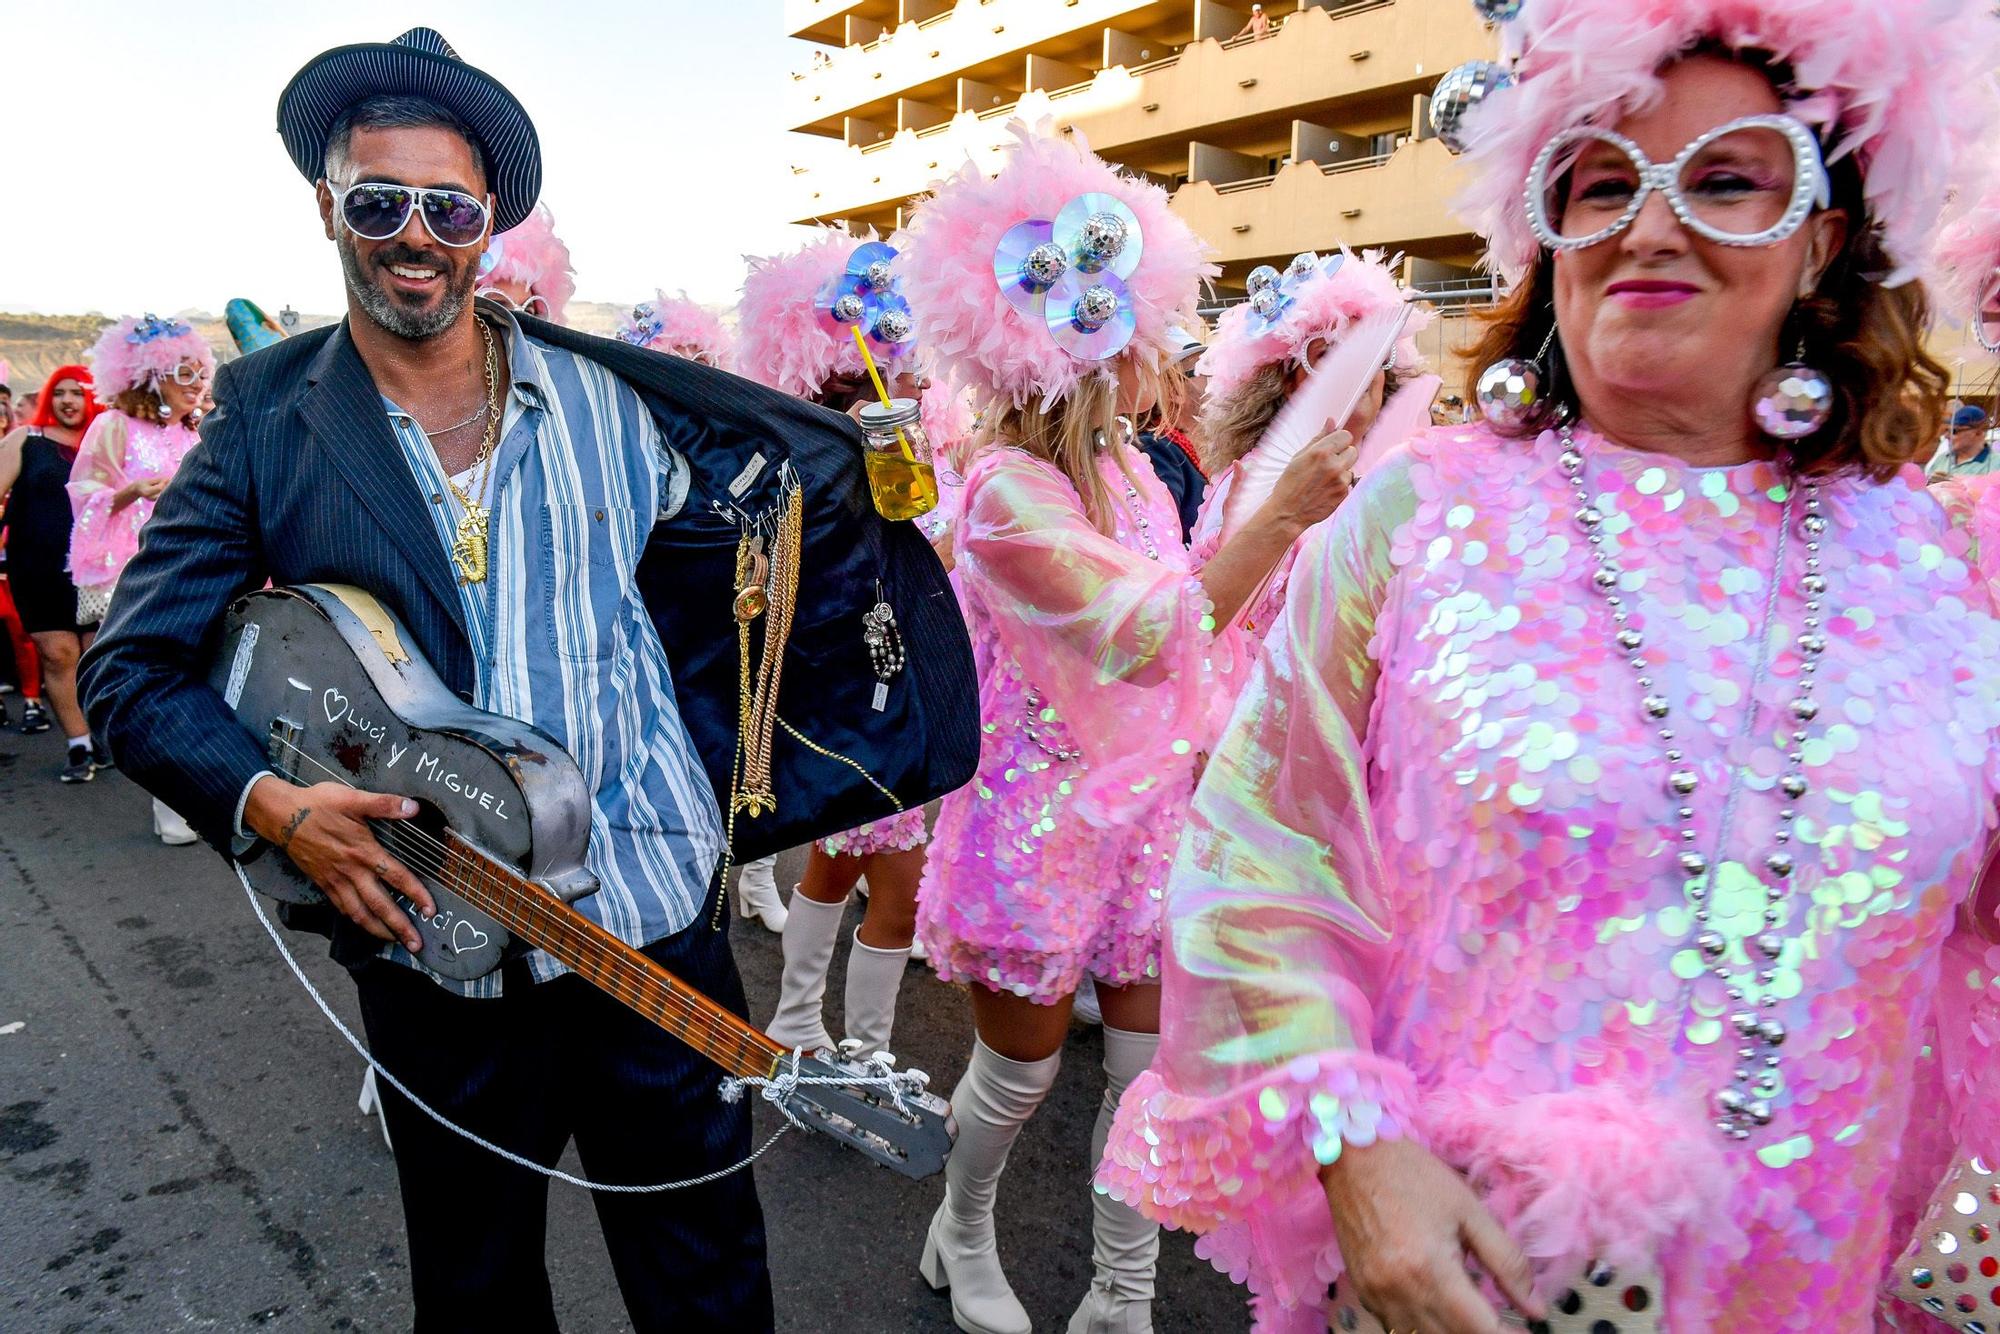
x: 1117, y: 643
x: 1281, y: 939
x: 102, y: 541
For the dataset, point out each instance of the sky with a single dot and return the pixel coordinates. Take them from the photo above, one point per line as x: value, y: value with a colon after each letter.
x: 663, y: 158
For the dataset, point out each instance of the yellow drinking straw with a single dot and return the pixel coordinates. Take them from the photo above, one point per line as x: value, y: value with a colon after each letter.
x: 881, y: 389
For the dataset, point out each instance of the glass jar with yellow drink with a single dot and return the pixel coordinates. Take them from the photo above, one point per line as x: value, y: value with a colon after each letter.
x: 901, y: 478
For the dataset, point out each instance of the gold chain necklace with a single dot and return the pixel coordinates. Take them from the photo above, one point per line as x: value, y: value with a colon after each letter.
x: 468, y: 548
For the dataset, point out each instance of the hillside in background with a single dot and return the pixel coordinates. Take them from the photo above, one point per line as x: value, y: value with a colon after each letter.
x: 34, y: 345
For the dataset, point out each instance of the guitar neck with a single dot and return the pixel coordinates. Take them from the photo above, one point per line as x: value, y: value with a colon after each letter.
x: 531, y: 914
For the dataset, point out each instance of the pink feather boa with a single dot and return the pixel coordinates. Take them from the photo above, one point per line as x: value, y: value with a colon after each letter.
x: 1907, y: 85
x: 117, y: 364
x: 1324, y: 307
x: 972, y: 331
x: 1597, y: 1173
x: 1968, y: 252
x: 532, y: 253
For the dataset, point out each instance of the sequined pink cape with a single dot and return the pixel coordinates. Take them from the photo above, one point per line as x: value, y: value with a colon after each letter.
x: 117, y: 450
x: 1425, y: 891
x: 1095, y: 697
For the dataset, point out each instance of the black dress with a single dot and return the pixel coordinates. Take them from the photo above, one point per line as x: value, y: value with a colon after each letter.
x: 38, y: 524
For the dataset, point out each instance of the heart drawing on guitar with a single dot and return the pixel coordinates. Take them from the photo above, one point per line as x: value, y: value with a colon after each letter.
x: 465, y: 937
x: 335, y: 704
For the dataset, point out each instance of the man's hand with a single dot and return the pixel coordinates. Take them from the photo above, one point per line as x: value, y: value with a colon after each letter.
x: 322, y: 829
x: 1405, y: 1222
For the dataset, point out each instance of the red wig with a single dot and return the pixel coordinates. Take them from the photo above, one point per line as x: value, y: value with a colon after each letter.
x: 45, y: 412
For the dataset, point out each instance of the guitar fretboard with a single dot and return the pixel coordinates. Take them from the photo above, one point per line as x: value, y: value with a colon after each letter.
x: 600, y: 958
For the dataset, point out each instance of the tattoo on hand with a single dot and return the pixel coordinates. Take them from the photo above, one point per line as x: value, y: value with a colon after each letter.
x: 291, y: 828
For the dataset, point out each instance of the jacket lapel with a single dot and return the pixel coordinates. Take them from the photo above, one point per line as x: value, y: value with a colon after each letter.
x: 343, y: 412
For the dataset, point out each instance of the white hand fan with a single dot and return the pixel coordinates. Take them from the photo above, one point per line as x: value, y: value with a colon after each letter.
x: 1407, y: 412
x: 1328, y: 397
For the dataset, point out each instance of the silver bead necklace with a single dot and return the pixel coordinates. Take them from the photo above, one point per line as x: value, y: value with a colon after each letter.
x: 1744, y: 1104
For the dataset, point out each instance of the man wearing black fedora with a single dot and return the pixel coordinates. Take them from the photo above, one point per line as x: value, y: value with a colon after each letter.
x: 557, y: 521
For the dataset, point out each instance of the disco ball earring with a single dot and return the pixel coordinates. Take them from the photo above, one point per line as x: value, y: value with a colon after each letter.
x: 165, y: 412
x: 1792, y: 401
x: 1511, y: 394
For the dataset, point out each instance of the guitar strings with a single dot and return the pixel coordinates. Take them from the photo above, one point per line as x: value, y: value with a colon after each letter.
x: 424, y: 853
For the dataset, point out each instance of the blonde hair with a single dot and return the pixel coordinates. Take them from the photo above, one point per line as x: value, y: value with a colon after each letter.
x: 1070, y: 433
x: 1230, y: 426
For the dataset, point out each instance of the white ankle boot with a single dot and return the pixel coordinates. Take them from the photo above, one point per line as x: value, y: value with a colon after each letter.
x: 168, y: 825
x: 810, y: 933
x: 874, y: 977
x: 1125, y: 1244
x: 757, y: 893
x: 991, y: 1104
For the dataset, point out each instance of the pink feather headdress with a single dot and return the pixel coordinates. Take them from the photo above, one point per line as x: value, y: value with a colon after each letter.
x: 1968, y: 253
x: 137, y: 351
x: 1322, y: 306
x: 781, y: 340
x: 1903, y: 86
x: 970, y: 327
x: 681, y: 327
x: 532, y: 253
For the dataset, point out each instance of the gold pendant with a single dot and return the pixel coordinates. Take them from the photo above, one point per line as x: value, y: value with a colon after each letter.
x: 468, y: 552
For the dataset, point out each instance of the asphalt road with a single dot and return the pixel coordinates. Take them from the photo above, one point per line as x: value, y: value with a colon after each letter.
x: 180, y: 1146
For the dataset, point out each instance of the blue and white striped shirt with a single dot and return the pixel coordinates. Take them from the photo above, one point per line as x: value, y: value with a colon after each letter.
x: 562, y: 640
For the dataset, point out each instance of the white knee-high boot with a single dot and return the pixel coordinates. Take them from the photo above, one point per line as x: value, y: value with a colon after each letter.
x: 1125, y: 1244
x: 757, y: 892
x: 991, y: 1104
x: 874, y: 977
x: 810, y: 932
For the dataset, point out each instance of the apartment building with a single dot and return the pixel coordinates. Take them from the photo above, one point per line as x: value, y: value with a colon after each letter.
x: 1314, y: 134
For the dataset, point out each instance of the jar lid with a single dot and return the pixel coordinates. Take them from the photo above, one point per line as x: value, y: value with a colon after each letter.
x: 883, y: 418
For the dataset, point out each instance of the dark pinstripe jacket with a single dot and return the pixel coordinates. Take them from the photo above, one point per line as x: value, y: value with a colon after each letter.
x: 298, y: 479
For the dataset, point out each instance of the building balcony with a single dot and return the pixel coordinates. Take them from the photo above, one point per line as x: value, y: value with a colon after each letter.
x: 1321, y: 66
x: 826, y: 20
x: 1399, y: 200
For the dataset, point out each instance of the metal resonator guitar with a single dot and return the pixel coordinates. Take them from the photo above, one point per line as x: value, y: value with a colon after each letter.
x: 324, y: 673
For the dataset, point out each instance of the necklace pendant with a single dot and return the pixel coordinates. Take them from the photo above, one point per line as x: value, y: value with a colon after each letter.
x: 468, y: 552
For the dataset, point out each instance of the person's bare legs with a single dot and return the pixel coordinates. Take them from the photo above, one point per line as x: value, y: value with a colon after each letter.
x: 59, y: 651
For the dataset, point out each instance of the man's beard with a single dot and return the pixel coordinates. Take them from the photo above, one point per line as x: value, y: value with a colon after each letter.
x: 382, y: 308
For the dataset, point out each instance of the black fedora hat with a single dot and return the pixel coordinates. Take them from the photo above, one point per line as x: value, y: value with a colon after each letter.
x: 420, y: 63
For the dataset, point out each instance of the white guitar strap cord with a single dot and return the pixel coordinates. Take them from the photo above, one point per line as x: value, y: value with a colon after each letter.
x: 775, y: 1090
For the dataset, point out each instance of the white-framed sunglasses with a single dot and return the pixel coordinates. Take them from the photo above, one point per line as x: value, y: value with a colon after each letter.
x: 378, y: 210
x: 187, y: 375
x: 536, y: 304
x: 1751, y: 181
x: 1986, y: 314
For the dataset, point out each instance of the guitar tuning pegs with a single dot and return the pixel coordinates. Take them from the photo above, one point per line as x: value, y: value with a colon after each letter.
x: 921, y: 1078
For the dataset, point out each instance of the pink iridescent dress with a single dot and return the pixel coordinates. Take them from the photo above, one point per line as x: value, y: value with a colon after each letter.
x: 116, y: 451
x: 1095, y: 696
x: 1426, y: 888
x: 1206, y: 542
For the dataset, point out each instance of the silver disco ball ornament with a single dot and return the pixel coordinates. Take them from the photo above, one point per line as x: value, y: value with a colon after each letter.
x: 848, y: 308
x: 1498, y: 11
x: 1044, y: 264
x: 1791, y: 402
x: 1510, y: 396
x: 1095, y: 307
x: 1301, y: 265
x: 1261, y: 277
x: 1265, y: 302
x: 893, y: 326
x: 1458, y: 92
x: 877, y: 276
x: 1099, y: 241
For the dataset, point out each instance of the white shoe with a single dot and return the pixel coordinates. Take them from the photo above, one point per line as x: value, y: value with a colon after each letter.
x: 874, y: 977
x: 172, y: 830
x: 810, y: 933
x: 917, y: 950
x: 992, y: 1102
x: 757, y: 893
x: 1124, y: 1243
x: 371, y: 1101
x: 1086, y: 1008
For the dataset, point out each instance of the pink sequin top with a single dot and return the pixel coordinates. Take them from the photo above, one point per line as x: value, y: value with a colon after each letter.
x: 117, y: 450
x: 1095, y: 698
x: 1428, y: 887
